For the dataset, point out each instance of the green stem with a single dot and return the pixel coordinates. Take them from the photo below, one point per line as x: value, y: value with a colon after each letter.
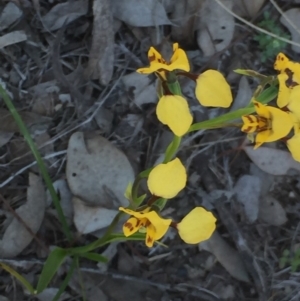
x: 24, y: 131
x: 172, y: 149
x: 265, y: 97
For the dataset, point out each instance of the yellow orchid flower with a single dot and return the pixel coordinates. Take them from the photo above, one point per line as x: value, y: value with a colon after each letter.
x: 270, y: 124
x: 197, y: 226
x: 156, y: 227
x: 288, y: 78
x: 158, y: 64
x: 173, y: 110
x: 212, y: 89
x: 166, y: 180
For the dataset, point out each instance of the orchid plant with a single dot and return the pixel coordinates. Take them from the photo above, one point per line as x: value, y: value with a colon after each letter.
x: 167, y: 179
x: 262, y: 123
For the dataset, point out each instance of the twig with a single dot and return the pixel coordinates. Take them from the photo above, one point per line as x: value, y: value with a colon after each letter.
x: 284, y: 15
x: 30, y: 165
x: 256, y: 27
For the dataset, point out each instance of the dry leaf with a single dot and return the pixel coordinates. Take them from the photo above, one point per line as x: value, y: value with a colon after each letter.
x: 64, y: 13
x: 8, y: 123
x: 291, y: 19
x: 101, y: 57
x: 243, y: 96
x: 247, y: 190
x: 266, y: 180
x: 184, y: 17
x: 271, y: 212
x: 16, y: 237
x: 5, y: 137
x: 140, y: 13
x: 273, y: 161
x: 246, y: 8
x: 9, y: 15
x: 104, y: 119
x: 142, y: 88
x: 88, y: 219
x: 228, y: 257
x: 65, y: 196
x: 12, y: 38
x: 216, y: 27
x: 97, y: 172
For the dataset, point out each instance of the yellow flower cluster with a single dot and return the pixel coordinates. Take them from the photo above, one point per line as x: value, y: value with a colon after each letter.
x: 173, y: 110
x: 166, y: 180
x: 271, y: 123
x: 195, y: 227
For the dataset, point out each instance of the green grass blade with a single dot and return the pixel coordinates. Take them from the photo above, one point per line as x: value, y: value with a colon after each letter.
x: 38, y: 158
x: 94, y: 256
x: 18, y: 276
x: 53, y: 262
x: 66, y: 281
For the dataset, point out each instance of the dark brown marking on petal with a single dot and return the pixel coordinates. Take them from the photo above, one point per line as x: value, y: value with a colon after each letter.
x: 149, y: 239
x: 129, y: 226
x: 248, y: 129
x: 251, y: 118
x: 290, y: 82
x: 152, y: 58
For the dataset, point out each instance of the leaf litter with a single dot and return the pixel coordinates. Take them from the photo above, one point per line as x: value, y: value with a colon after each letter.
x: 69, y: 67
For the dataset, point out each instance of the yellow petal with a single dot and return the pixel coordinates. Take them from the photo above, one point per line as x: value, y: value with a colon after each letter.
x: 250, y: 123
x: 281, y: 62
x: 282, y: 124
x: 284, y: 91
x: 261, y: 138
x: 179, y: 59
x: 154, y: 56
x: 131, y: 226
x: 137, y: 214
x: 294, y: 102
x: 197, y: 226
x: 150, y: 236
x: 173, y: 110
x: 212, y: 90
x: 167, y: 180
x: 293, y: 145
x: 261, y: 110
x: 160, y: 224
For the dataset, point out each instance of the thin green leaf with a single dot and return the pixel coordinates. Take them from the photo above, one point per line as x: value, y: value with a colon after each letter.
x: 66, y: 281
x: 40, y: 162
x: 265, y: 97
x: 53, y: 262
x: 18, y: 276
x: 95, y: 257
x: 251, y: 73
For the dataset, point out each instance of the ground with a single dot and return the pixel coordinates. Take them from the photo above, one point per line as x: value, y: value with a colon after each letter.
x: 69, y: 69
